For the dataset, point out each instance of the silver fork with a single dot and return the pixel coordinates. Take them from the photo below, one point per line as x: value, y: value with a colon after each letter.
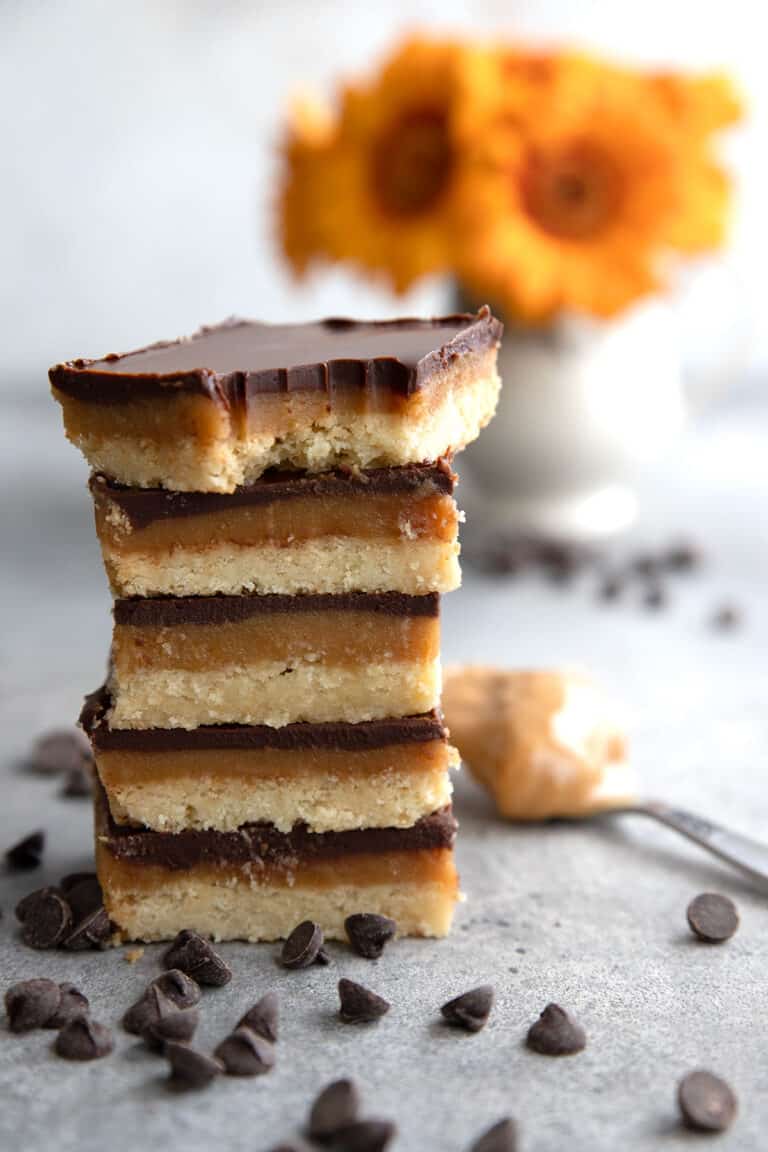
x: 742, y: 852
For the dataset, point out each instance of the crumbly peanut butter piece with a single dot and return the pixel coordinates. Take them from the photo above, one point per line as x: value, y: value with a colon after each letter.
x: 543, y: 743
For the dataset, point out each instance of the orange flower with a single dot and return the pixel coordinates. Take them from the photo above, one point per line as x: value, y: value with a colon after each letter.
x: 390, y: 168
x: 304, y: 193
x: 574, y: 203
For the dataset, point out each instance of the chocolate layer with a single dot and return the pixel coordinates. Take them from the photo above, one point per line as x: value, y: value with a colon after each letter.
x: 344, y: 737
x: 171, y: 611
x: 143, y: 506
x: 237, y: 360
x: 262, y: 844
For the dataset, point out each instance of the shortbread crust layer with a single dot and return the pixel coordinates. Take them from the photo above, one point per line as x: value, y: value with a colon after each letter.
x: 215, y: 412
x: 183, y: 662
x: 392, y: 529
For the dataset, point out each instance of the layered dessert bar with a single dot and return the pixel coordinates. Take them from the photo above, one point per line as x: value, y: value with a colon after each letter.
x: 328, y: 777
x: 180, y: 662
x: 257, y: 883
x: 215, y: 411
x: 386, y: 529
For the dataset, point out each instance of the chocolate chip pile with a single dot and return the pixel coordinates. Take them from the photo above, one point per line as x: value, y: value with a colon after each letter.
x: 645, y: 577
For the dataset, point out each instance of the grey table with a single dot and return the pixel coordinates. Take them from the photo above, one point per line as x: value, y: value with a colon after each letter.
x: 591, y: 917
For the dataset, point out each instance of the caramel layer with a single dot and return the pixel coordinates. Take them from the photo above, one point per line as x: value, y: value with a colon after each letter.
x: 122, y: 767
x: 324, y: 638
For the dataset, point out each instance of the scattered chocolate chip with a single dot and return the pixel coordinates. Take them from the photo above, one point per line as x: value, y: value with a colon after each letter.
x: 152, y: 1006
x: 83, y: 1039
x: 181, y: 989
x: 506, y: 557
x: 190, y: 1068
x: 243, y: 1053
x: 302, y: 946
x: 59, y: 751
x: 73, y: 1003
x: 646, y: 564
x: 83, y: 893
x: 368, y: 933
x: 47, y: 920
x: 654, y: 597
x: 560, y: 561
x: 706, y: 1102
x: 323, y: 958
x: 178, y: 1025
x: 610, y: 588
x: 337, y: 1106
x: 78, y: 783
x: 502, y: 1137
x: 727, y: 618
x: 556, y: 1034
x: 682, y: 556
x: 712, y: 917
x: 470, y: 1010
x: 364, y: 1136
x: 27, y: 854
x: 28, y: 902
x: 262, y: 1017
x: 197, y: 958
x: 31, y: 1004
x: 358, y: 1004
x: 93, y: 931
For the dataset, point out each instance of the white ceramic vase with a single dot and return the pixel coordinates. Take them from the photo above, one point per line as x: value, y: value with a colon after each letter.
x: 584, y: 407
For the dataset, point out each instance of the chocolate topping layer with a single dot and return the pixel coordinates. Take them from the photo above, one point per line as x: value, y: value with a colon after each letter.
x: 142, y: 506
x: 345, y: 737
x: 234, y: 361
x: 171, y: 611
x: 262, y: 844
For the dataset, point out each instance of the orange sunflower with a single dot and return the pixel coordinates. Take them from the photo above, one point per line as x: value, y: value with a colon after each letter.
x: 390, y: 168
x: 304, y: 192
x: 576, y: 206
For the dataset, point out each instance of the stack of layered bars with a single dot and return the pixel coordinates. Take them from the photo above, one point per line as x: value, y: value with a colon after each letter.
x: 276, y: 515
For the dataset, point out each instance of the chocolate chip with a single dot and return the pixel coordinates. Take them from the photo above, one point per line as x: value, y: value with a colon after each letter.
x: 337, y: 1106
x: 83, y: 1039
x: 179, y: 1025
x: 191, y: 1068
x: 323, y: 958
x: 93, y: 931
x: 646, y: 564
x: 368, y: 933
x: 470, y: 1010
x: 196, y: 958
x: 610, y: 589
x: 243, y: 1053
x: 31, y: 1004
x: 654, y: 597
x: 73, y: 1003
x: 365, y: 1136
x: 262, y: 1017
x: 712, y: 917
x: 28, y: 902
x: 78, y: 783
x: 358, y: 1004
x: 180, y: 989
x: 502, y: 1137
x: 152, y: 1006
x: 727, y: 618
x: 556, y: 1034
x: 47, y: 919
x: 83, y: 893
x: 682, y: 556
x: 27, y: 854
x: 506, y: 557
x: 59, y: 751
x: 706, y: 1102
x: 302, y: 946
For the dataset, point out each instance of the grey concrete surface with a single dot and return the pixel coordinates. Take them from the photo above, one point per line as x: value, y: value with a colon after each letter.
x: 592, y: 916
